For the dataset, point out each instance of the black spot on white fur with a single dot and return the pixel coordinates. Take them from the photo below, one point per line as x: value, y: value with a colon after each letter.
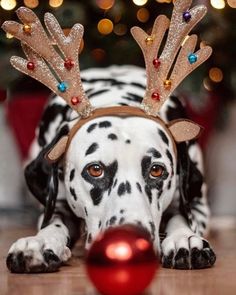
x: 72, y: 174
x: 104, y: 124
x: 112, y: 136
x: 128, y: 141
x: 149, y: 193
x: 152, y: 183
x: 124, y: 188
x: 100, y: 185
x: 73, y: 193
x: 163, y: 136
x: 115, y: 183
x: 122, y: 220
x: 86, y: 211
x: 170, y: 157
x: 139, y: 187
x: 93, y: 147
x: 154, y: 153
x: 112, y: 220
x: 91, y: 127
x: 152, y: 230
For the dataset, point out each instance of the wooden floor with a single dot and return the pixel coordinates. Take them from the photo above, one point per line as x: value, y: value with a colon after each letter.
x: 72, y: 279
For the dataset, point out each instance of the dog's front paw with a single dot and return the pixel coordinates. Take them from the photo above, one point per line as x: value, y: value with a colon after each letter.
x: 187, y: 252
x: 34, y: 255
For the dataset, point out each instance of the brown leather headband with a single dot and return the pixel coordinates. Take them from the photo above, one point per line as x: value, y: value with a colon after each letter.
x: 117, y: 111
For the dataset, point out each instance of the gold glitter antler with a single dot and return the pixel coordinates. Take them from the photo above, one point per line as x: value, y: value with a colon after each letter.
x: 59, y: 72
x: 165, y: 73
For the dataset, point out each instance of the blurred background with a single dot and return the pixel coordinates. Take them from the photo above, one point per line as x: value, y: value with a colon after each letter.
x: 209, y: 91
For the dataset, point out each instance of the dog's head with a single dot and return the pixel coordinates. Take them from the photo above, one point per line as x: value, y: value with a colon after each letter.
x: 122, y: 169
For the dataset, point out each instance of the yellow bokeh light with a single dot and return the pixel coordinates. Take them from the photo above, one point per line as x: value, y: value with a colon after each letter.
x: 232, y: 3
x: 218, y: 4
x: 105, y: 26
x: 31, y: 3
x: 8, y: 4
x: 55, y: 3
x: 143, y: 15
x: 140, y: 2
x: 216, y: 75
x: 105, y: 4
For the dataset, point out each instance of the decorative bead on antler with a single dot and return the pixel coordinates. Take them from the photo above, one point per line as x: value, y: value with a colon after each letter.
x: 165, y: 73
x: 58, y: 71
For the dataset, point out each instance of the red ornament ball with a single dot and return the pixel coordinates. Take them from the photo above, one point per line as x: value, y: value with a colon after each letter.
x: 122, y: 261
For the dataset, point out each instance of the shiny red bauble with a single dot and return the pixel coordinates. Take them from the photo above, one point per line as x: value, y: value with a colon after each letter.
x: 121, y: 261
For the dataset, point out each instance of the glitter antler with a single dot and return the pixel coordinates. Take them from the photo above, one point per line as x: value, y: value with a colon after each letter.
x: 59, y: 72
x: 162, y: 76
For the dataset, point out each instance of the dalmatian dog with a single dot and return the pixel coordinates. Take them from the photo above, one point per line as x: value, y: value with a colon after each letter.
x: 117, y: 171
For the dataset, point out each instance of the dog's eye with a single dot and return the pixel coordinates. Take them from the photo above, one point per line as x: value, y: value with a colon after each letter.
x: 95, y: 170
x: 156, y: 170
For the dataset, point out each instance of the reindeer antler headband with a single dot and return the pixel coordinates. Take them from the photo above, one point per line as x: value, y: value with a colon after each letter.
x: 61, y: 73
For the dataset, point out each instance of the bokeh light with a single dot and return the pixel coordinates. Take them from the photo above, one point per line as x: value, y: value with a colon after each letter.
x: 207, y: 84
x: 55, y: 3
x: 8, y: 4
x: 105, y: 4
x: 140, y: 2
x: 120, y: 29
x: 216, y: 75
x: 31, y: 3
x: 98, y: 54
x: 218, y: 4
x: 232, y: 3
x: 143, y: 15
x: 105, y: 26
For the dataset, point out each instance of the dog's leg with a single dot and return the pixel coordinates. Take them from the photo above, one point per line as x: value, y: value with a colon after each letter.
x: 46, y: 251
x: 184, y: 249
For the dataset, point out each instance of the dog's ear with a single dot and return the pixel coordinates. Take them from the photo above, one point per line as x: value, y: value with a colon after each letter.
x: 184, y: 130
x: 190, y: 181
x: 39, y: 172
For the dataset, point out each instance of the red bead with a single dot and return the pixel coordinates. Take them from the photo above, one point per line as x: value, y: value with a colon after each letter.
x: 30, y: 66
x: 124, y: 256
x: 156, y: 96
x: 75, y: 100
x: 156, y: 62
x: 69, y: 63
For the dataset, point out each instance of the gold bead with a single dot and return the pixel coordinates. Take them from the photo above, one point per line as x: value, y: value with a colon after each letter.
x: 27, y: 29
x: 167, y: 84
x: 149, y: 40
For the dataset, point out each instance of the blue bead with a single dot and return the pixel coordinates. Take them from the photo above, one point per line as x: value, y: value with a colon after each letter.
x: 192, y: 58
x: 187, y: 16
x: 62, y: 87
